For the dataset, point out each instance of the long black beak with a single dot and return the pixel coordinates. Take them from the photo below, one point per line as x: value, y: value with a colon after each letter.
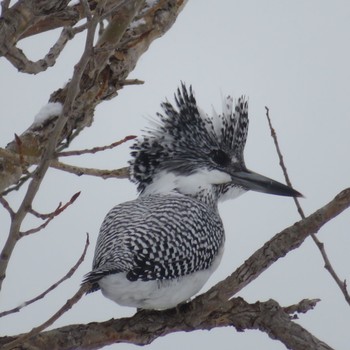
x: 256, y: 182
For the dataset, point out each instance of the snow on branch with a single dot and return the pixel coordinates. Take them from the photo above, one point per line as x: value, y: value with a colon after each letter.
x: 52, y: 109
x: 48, y: 154
x: 106, y: 71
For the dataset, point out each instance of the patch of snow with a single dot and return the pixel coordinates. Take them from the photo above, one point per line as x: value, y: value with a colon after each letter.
x: 51, y: 109
x: 135, y: 24
x: 73, y: 3
x: 151, y: 3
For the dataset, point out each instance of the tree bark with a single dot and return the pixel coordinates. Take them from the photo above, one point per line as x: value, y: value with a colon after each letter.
x: 114, y: 57
x: 146, y: 326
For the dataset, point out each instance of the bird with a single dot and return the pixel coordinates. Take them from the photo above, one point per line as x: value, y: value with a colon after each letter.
x: 158, y: 250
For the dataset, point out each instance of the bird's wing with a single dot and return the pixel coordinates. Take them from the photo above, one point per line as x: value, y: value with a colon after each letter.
x: 157, y: 237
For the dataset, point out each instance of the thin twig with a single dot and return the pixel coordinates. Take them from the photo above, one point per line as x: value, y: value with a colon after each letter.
x: 48, y: 217
x: 96, y: 149
x: 58, y: 210
x: 35, y: 229
x: 122, y: 173
x: 68, y: 275
x: 328, y: 266
x: 67, y: 306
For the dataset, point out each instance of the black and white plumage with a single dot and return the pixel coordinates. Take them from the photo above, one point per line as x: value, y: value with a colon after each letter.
x: 159, y: 249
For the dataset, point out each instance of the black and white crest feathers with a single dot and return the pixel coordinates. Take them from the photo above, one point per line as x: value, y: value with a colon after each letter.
x: 187, y: 139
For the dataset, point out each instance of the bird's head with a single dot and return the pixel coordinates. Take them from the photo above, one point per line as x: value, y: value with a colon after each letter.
x: 189, y: 152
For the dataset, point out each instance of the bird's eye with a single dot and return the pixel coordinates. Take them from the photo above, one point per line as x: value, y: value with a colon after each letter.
x: 220, y: 157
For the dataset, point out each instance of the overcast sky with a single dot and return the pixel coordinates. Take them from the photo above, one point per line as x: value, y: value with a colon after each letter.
x: 292, y: 56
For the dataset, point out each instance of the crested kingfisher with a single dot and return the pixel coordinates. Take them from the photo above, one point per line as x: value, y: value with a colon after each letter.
x: 159, y: 250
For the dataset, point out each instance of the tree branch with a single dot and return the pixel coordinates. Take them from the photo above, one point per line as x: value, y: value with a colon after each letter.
x: 122, y: 173
x: 117, y: 57
x: 96, y: 149
x: 303, y: 306
x: 146, y: 326
x: 67, y: 306
x: 278, y: 246
x: 68, y: 275
x: 47, y: 217
x: 38, y: 175
x: 327, y: 264
x: 18, y: 58
x: 213, y: 309
x: 58, y: 210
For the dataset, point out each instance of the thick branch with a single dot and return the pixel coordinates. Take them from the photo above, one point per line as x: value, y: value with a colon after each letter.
x: 105, y: 74
x: 278, y: 246
x: 145, y: 326
x: 73, y: 89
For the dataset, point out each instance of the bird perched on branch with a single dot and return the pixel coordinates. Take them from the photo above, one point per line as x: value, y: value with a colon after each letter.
x: 159, y: 250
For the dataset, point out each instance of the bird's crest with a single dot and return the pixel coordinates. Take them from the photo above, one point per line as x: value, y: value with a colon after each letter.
x: 186, y: 139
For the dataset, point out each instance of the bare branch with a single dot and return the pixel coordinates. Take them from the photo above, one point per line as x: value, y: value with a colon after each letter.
x: 100, y: 82
x: 35, y: 229
x: 146, y: 326
x: 18, y: 58
x: 39, y: 173
x: 122, y: 173
x: 279, y: 245
x: 48, y: 217
x: 57, y: 211
x: 302, y: 307
x: 328, y: 266
x: 67, y: 306
x: 96, y: 149
x: 68, y: 275
x: 283, y: 166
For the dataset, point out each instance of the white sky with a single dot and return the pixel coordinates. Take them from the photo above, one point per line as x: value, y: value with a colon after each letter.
x: 292, y: 56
